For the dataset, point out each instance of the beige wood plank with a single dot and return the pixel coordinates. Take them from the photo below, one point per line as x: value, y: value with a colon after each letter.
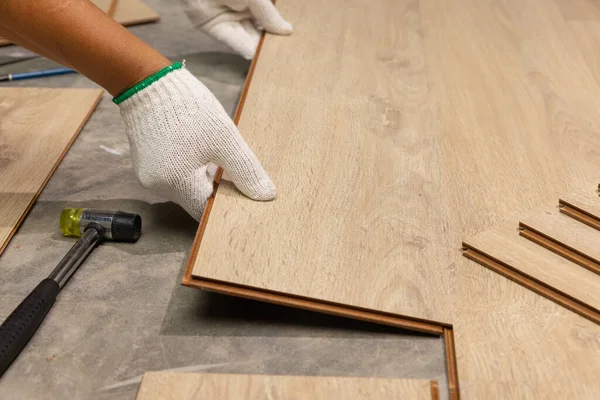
x: 527, y: 343
x: 365, y: 164
x: 587, y: 34
x: 586, y: 204
x: 566, y: 236
x: 543, y: 391
x: 579, y: 10
x: 392, y: 140
x: 187, y: 386
x: 128, y: 12
x: 387, y: 213
x: 506, y: 246
x: 37, y: 126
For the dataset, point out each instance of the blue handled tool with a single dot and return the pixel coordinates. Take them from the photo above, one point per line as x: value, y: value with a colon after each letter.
x: 36, y: 74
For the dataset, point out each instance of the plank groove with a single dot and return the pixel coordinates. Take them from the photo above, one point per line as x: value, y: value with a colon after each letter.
x: 187, y: 386
x: 30, y: 151
x: 564, y: 236
x: 583, y: 207
x: 557, y: 247
x: 515, y: 274
x: 503, y: 244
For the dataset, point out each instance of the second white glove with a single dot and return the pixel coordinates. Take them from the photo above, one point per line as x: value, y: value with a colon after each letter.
x: 236, y: 23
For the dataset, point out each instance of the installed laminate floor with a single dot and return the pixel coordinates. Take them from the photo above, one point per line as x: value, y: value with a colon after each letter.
x: 394, y: 129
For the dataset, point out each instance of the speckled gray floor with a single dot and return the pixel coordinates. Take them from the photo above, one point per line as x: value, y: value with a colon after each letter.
x: 125, y: 312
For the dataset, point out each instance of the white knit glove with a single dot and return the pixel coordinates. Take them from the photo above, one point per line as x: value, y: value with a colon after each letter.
x: 177, y: 129
x: 236, y: 22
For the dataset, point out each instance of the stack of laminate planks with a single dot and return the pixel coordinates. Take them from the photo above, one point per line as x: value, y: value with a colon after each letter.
x: 394, y: 129
x: 554, y: 252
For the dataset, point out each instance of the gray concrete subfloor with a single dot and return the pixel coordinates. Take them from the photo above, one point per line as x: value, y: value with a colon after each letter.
x: 125, y: 312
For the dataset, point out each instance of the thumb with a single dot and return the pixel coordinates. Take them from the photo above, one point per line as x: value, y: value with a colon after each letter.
x: 245, y: 170
x: 192, y: 191
x: 268, y: 17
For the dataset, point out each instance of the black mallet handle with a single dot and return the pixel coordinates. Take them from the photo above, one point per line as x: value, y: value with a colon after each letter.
x: 20, y: 326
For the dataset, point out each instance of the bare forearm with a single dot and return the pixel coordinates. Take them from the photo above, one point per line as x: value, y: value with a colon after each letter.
x: 77, y: 34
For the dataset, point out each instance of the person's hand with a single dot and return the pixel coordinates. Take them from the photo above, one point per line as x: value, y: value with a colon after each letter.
x: 236, y: 23
x: 177, y: 132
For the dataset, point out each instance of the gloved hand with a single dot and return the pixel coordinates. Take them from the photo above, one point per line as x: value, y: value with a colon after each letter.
x: 177, y: 132
x: 236, y: 22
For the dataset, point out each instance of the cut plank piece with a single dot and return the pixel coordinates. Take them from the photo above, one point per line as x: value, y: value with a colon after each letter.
x: 566, y: 237
x: 127, y: 12
x: 110, y: 11
x: 185, y: 386
x: 506, y: 252
x: 394, y: 129
x: 557, y: 276
x: 37, y: 126
x: 583, y: 207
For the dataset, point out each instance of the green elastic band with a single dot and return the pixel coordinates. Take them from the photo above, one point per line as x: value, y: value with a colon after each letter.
x: 145, y: 83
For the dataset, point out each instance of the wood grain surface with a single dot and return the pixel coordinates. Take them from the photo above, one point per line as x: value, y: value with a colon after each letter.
x: 505, y: 246
x: 584, y: 207
x: 187, y: 386
x: 403, y: 127
x: 131, y: 12
x: 535, y: 266
x: 126, y: 12
x: 566, y: 236
x: 37, y: 126
x: 112, y: 7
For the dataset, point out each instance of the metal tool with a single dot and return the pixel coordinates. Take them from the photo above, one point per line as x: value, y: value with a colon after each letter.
x: 36, y: 74
x: 92, y: 227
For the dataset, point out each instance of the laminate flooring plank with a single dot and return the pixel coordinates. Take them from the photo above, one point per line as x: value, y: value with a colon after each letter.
x: 584, y: 207
x: 387, y: 213
x: 110, y: 11
x: 510, y: 390
x: 566, y: 236
x: 37, y: 126
x: 560, y: 71
x: 505, y: 333
x: 362, y: 160
x: 127, y: 12
x: 579, y: 10
x: 505, y: 245
x: 132, y: 12
x: 587, y: 34
x: 188, y: 386
x: 512, y: 343
x: 393, y: 130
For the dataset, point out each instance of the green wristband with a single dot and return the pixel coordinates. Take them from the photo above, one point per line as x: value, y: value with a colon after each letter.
x: 145, y: 83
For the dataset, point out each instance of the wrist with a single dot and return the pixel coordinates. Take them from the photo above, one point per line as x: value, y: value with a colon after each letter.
x: 135, y: 75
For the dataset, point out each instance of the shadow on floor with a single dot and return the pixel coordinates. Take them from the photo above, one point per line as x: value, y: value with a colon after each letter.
x: 194, y: 312
x: 221, y: 67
